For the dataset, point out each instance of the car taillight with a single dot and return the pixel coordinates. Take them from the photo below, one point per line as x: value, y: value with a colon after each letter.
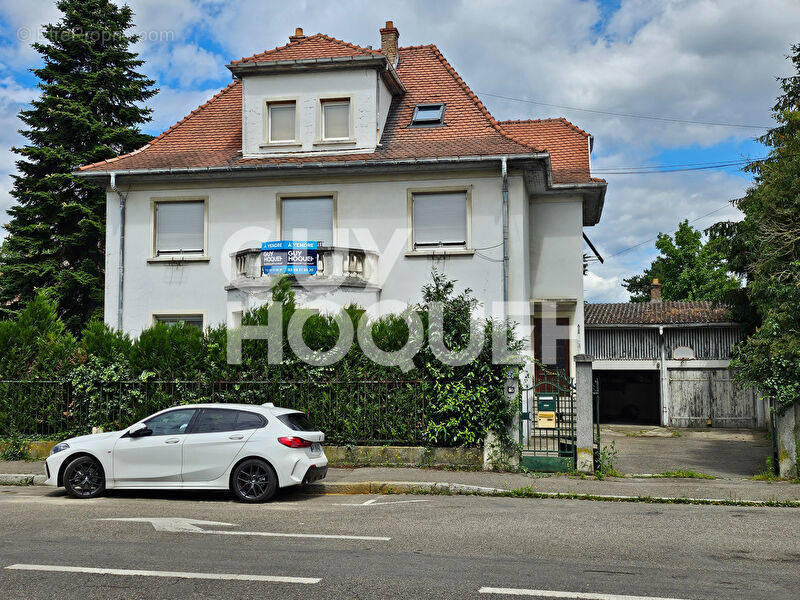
x: 294, y: 442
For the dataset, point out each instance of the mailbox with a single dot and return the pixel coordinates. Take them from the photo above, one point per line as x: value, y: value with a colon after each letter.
x: 546, y: 411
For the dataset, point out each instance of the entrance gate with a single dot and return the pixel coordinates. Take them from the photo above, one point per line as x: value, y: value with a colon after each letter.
x: 547, y: 423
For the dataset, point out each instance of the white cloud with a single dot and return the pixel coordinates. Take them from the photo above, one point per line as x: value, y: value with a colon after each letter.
x: 706, y: 60
x: 603, y: 289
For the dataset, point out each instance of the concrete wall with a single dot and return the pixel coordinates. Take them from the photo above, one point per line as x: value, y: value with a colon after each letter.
x: 556, y: 248
x: 787, y: 432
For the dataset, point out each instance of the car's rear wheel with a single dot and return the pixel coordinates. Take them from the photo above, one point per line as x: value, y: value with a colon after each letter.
x: 84, y: 478
x: 254, y: 480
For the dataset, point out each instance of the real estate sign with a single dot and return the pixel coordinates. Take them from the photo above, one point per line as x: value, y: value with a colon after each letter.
x: 289, y: 257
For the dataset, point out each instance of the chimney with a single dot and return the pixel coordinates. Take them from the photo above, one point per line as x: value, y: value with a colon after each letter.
x: 655, y: 291
x: 298, y: 35
x: 389, y: 37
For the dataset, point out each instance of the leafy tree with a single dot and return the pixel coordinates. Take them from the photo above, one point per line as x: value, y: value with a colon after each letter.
x: 89, y: 110
x: 765, y: 249
x: 687, y: 267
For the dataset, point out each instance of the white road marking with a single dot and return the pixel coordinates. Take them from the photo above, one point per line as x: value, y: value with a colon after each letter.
x: 321, y: 536
x: 374, y: 502
x: 182, y: 525
x: 174, y: 524
x: 569, y: 595
x: 179, y: 574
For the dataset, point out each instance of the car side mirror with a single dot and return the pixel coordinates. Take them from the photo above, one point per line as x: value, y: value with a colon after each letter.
x: 139, y: 430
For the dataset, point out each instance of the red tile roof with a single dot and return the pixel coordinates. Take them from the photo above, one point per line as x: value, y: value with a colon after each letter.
x: 313, y: 46
x: 655, y: 313
x: 567, y: 144
x: 210, y: 136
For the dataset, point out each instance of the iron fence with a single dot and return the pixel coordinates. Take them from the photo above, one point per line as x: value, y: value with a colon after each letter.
x: 349, y: 412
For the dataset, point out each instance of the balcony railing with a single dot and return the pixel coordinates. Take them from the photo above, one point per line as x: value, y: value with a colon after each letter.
x: 335, y: 264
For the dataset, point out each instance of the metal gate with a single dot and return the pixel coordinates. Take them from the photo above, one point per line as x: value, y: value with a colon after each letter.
x: 547, y: 424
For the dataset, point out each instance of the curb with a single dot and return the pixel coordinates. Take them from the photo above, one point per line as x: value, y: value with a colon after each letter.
x: 461, y: 489
x: 22, y: 479
x: 399, y: 487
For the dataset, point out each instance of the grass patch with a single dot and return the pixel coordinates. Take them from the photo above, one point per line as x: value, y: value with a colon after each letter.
x: 18, y: 482
x: 684, y: 474
x: 768, y: 475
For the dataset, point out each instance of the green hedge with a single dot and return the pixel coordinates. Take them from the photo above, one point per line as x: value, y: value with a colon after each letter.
x: 111, y: 379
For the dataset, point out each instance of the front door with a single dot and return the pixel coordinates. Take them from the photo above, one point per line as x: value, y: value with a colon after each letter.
x: 153, y: 460
x: 217, y: 436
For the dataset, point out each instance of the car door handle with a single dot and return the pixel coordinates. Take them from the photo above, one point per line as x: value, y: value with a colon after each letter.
x: 172, y: 441
x: 236, y: 437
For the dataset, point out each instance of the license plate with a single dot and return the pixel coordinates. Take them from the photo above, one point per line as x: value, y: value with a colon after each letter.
x: 316, y: 448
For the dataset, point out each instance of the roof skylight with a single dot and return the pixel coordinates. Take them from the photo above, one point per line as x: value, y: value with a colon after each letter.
x: 428, y: 114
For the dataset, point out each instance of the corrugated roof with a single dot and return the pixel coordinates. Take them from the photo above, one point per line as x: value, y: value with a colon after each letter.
x: 655, y: 313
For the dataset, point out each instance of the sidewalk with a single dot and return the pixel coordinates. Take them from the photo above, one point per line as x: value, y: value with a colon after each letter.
x: 365, y: 480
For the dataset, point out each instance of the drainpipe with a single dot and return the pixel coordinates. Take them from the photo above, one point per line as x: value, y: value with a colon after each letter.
x: 113, y: 185
x: 504, y: 173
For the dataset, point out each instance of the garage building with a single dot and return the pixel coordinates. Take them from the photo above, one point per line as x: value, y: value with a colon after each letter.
x: 668, y: 363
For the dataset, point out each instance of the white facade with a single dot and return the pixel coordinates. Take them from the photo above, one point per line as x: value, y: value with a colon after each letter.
x: 372, y: 213
x: 374, y: 260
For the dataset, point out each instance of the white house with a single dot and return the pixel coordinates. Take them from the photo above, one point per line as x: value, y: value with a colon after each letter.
x: 385, y: 157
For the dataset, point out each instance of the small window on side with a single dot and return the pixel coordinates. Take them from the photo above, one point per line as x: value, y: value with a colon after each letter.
x: 248, y: 420
x: 335, y: 119
x: 196, y: 320
x: 428, y: 114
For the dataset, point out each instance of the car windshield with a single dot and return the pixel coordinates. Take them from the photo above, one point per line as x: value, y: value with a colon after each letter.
x: 297, y: 422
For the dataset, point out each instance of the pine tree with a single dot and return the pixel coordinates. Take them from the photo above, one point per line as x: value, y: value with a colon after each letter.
x: 89, y: 110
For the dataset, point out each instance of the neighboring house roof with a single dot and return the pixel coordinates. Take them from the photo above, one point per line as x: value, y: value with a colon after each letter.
x: 210, y: 136
x: 655, y: 313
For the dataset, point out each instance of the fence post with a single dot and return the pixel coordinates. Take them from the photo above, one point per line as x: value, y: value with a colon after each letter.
x: 584, y: 413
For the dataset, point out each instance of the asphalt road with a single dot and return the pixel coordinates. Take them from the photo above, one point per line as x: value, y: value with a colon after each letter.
x: 437, y: 547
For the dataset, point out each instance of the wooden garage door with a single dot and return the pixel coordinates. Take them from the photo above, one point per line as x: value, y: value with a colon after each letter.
x: 699, y: 394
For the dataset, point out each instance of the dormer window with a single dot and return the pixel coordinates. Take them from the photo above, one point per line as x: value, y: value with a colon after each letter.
x: 336, y: 119
x: 428, y: 115
x: 281, y: 119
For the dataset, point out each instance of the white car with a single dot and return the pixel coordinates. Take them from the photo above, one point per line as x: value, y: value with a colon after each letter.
x: 251, y: 450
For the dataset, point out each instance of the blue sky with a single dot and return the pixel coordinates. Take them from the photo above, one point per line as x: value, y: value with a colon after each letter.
x: 699, y: 60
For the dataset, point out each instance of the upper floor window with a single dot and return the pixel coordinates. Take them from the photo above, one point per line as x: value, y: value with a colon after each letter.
x: 179, y: 227
x: 336, y: 119
x: 281, y: 121
x: 428, y: 114
x: 439, y: 219
x: 308, y: 219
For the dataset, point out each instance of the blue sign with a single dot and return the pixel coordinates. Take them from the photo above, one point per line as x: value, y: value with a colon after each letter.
x: 289, y: 245
x: 289, y: 257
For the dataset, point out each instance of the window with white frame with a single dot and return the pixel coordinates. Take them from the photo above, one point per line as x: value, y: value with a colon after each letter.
x: 179, y: 227
x: 308, y: 219
x: 439, y: 219
x: 281, y: 121
x: 336, y: 119
x: 196, y: 320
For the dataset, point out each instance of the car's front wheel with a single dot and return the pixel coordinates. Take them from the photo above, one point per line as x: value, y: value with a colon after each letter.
x: 254, y: 480
x: 84, y: 478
